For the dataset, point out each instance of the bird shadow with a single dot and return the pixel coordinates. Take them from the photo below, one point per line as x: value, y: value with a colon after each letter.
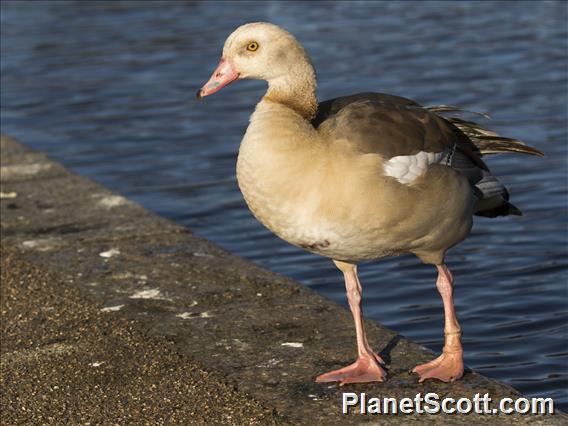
x: 385, y: 354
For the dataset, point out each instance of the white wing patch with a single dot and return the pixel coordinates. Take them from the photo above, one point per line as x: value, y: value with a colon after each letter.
x: 406, y: 168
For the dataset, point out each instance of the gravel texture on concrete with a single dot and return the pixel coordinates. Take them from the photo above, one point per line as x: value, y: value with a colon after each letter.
x: 66, y: 362
x: 103, y: 300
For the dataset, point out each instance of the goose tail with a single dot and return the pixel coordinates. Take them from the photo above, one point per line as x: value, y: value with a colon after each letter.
x: 493, y: 197
x: 486, y: 141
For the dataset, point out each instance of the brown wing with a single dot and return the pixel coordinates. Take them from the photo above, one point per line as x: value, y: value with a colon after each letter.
x: 391, y: 126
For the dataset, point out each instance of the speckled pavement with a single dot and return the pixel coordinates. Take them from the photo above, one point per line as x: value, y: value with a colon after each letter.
x: 66, y: 362
x: 112, y: 315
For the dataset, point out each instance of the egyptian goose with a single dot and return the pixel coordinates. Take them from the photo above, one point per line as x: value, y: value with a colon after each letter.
x: 359, y: 178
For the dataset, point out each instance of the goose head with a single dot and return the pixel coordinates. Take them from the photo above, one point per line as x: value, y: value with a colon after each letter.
x: 261, y: 51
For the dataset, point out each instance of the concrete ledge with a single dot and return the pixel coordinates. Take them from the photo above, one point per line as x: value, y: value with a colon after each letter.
x: 265, y: 335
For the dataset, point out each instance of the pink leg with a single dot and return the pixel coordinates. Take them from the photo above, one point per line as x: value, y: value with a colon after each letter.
x: 448, y: 367
x: 367, y: 367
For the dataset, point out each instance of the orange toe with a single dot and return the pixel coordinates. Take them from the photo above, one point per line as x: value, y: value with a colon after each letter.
x: 448, y: 367
x: 364, y: 370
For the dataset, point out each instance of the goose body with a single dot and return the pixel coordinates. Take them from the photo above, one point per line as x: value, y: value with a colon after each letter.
x: 332, y: 195
x: 359, y: 178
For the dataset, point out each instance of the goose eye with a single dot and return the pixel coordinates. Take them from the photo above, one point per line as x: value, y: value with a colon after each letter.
x: 252, y: 46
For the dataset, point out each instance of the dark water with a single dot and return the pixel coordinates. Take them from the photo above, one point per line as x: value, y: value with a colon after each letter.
x: 107, y: 88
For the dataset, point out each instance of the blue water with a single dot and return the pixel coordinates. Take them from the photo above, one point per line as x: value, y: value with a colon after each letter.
x: 108, y: 89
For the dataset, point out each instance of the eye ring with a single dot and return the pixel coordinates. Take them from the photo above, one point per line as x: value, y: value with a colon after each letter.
x: 252, y: 46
